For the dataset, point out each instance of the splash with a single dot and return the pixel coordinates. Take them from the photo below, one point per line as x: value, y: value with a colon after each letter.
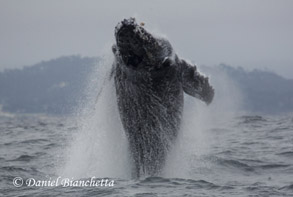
x: 195, y: 140
x: 99, y: 147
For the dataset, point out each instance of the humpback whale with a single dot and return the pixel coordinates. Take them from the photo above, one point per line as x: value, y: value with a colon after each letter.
x: 150, y: 80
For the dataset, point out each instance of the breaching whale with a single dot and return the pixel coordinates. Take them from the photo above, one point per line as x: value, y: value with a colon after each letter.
x: 150, y: 80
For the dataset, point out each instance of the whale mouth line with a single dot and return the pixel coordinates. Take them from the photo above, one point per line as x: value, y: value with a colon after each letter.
x: 135, y: 44
x: 139, y: 49
x: 129, y: 42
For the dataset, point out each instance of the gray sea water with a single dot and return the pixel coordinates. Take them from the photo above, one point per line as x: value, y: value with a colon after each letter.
x: 219, y: 151
x: 244, y: 156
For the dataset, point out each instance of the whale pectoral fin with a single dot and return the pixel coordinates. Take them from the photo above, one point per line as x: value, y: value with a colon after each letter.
x: 195, y: 84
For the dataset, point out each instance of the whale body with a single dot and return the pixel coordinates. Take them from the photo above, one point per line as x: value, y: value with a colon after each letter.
x: 150, y: 80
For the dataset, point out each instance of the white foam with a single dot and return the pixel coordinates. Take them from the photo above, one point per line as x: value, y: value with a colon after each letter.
x: 99, y: 147
x: 195, y: 140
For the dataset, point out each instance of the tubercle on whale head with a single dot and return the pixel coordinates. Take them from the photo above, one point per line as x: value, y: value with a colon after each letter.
x: 137, y: 47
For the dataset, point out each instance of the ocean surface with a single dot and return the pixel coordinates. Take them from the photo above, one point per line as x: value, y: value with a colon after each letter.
x: 242, y: 156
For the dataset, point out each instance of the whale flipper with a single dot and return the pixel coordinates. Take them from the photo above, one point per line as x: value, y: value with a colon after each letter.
x: 195, y: 84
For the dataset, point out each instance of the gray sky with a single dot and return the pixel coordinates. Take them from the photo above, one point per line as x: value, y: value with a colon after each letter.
x: 247, y: 33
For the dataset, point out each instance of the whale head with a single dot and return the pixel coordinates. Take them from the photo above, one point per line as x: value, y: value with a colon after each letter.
x: 138, y: 48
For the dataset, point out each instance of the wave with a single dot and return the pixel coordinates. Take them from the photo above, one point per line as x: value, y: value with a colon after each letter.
x: 252, y: 119
x: 286, y: 154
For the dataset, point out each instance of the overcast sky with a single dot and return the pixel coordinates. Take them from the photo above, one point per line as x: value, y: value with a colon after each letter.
x: 247, y: 33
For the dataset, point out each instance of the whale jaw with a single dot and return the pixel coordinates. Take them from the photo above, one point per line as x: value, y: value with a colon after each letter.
x: 136, y: 46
